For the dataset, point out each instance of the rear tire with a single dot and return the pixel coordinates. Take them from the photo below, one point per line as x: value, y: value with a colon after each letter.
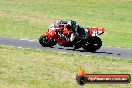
x: 92, y: 44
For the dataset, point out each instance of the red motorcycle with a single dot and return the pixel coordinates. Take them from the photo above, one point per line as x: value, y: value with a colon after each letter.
x: 91, y: 44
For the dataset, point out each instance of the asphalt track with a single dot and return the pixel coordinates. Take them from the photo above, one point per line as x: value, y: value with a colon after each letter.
x: 34, y: 44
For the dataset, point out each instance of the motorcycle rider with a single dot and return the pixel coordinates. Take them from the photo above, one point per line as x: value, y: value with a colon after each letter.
x: 78, y: 31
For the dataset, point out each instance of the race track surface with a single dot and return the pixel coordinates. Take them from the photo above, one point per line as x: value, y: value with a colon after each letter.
x: 103, y: 51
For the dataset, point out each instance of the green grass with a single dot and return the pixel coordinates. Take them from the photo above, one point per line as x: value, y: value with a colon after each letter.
x: 26, y: 68
x: 31, y: 18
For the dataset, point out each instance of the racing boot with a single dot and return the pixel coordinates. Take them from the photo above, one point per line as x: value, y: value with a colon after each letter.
x: 77, y: 44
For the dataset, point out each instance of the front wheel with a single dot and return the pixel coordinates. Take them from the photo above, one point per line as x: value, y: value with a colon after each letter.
x: 92, y: 44
x: 43, y: 40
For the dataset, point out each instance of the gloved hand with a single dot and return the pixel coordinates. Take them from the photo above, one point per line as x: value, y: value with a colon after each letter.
x: 58, y: 32
x: 63, y: 36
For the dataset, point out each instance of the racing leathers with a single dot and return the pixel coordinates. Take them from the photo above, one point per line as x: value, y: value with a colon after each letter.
x: 78, y: 32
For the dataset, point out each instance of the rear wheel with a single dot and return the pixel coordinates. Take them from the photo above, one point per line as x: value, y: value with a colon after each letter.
x: 92, y: 44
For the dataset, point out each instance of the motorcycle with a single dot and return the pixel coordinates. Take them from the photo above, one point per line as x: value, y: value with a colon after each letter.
x: 90, y: 44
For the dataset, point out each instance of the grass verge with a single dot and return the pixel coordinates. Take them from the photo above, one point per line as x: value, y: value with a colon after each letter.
x: 27, y: 68
x: 31, y: 18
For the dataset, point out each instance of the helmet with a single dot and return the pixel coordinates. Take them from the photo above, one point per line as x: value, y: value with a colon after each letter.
x: 71, y: 23
x: 58, y: 22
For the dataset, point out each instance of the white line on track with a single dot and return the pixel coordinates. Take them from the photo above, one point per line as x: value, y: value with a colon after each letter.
x: 34, y: 49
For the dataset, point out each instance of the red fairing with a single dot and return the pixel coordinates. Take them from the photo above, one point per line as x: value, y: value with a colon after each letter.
x: 47, y: 33
x: 101, y: 31
x: 66, y: 31
x: 50, y: 33
x: 95, y: 31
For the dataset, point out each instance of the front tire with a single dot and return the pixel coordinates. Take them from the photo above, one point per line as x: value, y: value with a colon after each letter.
x: 43, y: 40
x: 92, y: 44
